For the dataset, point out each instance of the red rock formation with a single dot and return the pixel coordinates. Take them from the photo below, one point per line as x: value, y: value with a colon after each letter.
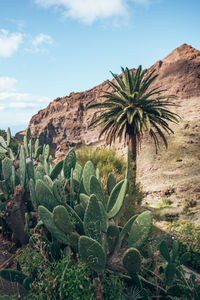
x: 64, y: 123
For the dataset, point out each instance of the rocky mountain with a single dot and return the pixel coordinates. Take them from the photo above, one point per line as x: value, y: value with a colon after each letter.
x: 64, y: 122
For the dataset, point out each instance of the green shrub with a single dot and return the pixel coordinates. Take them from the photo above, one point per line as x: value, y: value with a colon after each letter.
x: 188, y: 234
x: 65, y: 279
x: 106, y: 160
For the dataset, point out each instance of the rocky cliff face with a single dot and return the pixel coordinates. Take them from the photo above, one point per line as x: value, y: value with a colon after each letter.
x: 64, y: 122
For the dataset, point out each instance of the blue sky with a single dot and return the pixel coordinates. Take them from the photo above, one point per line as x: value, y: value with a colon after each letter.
x: 49, y: 48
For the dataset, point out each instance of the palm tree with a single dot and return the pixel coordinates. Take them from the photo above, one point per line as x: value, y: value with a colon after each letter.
x: 134, y: 107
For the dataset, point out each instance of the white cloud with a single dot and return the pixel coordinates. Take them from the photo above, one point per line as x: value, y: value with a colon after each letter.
x: 42, y: 39
x: 39, y: 43
x: 9, y: 42
x: 7, y: 84
x: 17, y: 107
x: 88, y: 11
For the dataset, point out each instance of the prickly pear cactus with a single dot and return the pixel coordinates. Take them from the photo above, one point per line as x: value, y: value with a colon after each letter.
x: 92, y: 253
x: 111, y: 182
x: 164, y: 251
x: 61, y: 219
x: 56, y: 170
x: 127, y: 227
x: 88, y: 171
x: 48, y: 181
x: 75, y: 219
x: 119, y: 201
x: 140, y: 230
x: 69, y: 163
x: 59, y: 192
x: 7, y: 168
x: 112, y: 236
x: 84, y: 200
x: 33, y: 194
x: 44, y: 195
x: 3, y: 150
x: 96, y: 189
x: 132, y: 260
x: 113, y: 195
x: 71, y: 190
x: 79, y: 209
x: 47, y: 218
x: 22, y: 167
x: 46, y: 151
x: 77, y: 173
x: 3, y: 142
x: 8, y: 137
x: 93, y: 219
x: 30, y: 169
x: 170, y: 272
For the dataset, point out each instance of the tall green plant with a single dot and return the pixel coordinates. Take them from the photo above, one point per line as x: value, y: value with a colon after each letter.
x: 132, y: 107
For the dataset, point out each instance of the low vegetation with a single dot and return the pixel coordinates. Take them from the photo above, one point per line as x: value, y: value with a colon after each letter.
x: 78, y: 235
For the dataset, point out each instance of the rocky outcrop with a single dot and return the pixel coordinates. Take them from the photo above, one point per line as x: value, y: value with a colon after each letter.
x: 64, y: 122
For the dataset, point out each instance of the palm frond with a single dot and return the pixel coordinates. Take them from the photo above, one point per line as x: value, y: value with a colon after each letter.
x: 132, y: 107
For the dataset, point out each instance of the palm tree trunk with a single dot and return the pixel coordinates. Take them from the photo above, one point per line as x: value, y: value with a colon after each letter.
x: 132, y: 145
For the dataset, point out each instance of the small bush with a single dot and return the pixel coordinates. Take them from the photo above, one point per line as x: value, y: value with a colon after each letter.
x: 106, y: 160
x: 188, y: 234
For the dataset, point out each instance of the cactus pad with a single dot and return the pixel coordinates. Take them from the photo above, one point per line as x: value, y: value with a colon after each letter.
x: 88, y: 171
x: 79, y: 209
x: 132, y: 260
x: 56, y: 170
x: 58, y: 191
x: 113, y: 195
x: 7, y: 168
x: 112, y: 237
x: 69, y: 163
x: 47, y: 219
x: 48, y: 181
x: 44, y: 195
x: 140, y: 230
x: 119, y: 201
x: 33, y: 194
x: 30, y: 169
x: 22, y: 166
x: 127, y: 227
x: 111, y: 182
x: 77, y: 173
x: 96, y: 189
x: 84, y: 200
x: 170, y: 273
x: 92, y: 253
x: 46, y: 151
x: 164, y: 251
x: 3, y: 142
x: 92, y: 219
x: 61, y: 219
x: 75, y: 219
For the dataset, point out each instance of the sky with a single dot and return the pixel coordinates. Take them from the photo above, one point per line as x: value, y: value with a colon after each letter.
x: 50, y: 48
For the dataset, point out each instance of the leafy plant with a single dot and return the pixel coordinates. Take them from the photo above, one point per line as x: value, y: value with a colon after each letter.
x: 188, y: 234
x: 133, y: 107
